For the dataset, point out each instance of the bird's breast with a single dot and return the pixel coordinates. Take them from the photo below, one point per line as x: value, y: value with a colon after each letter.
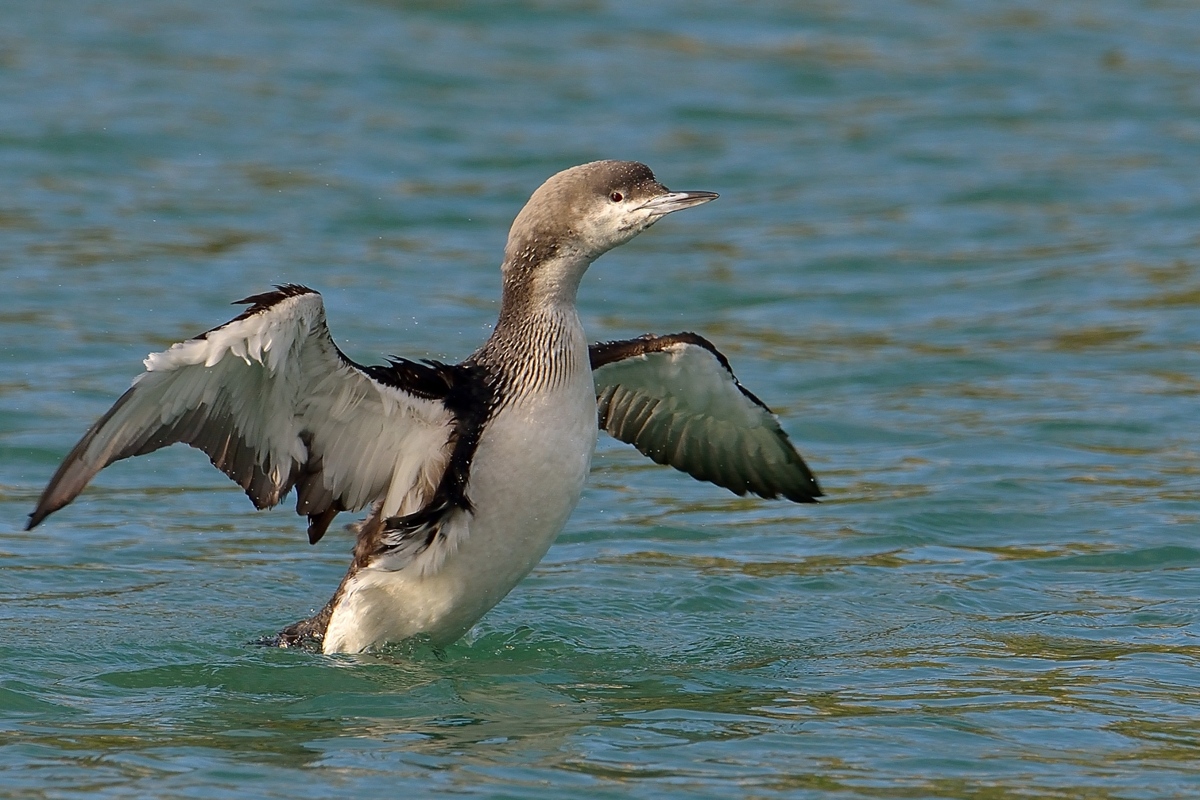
x: 528, y: 472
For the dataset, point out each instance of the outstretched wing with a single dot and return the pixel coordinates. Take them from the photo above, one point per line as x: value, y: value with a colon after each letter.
x: 275, y: 405
x: 676, y: 400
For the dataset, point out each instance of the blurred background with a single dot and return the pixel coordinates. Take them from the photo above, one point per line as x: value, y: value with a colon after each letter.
x: 955, y: 249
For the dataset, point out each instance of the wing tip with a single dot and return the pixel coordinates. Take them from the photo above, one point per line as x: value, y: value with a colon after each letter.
x: 808, y: 492
x: 807, y: 497
x: 48, y: 504
x: 64, y: 487
x: 796, y: 494
x: 265, y: 300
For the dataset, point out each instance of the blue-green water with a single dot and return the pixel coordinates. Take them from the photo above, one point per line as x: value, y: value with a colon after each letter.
x: 956, y: 249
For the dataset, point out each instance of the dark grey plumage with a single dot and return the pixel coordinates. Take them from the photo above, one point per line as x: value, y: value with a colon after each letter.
x: 676, y: 399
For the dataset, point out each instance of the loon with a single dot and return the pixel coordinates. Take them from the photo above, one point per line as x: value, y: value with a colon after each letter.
x: 469, y: 470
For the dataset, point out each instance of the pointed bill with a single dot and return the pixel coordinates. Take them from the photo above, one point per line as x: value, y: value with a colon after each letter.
x: 677, y: 201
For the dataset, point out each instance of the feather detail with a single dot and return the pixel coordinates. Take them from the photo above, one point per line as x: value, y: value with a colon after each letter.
x: 676, y: 399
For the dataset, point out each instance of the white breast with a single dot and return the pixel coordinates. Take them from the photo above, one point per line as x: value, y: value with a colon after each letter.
x: 526, y: 478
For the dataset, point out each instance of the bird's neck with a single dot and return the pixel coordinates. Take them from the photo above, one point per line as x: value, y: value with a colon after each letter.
x: 541, y: 274
x: 538, y: 339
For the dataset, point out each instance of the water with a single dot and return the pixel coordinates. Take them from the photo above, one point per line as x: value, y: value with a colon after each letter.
x: 955, y: 249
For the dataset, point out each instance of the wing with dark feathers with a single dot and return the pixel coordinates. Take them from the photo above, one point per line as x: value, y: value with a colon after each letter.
x: 275, y: 405
x: 677, y: 401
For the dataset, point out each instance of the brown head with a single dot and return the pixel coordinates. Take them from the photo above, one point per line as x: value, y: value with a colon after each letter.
x: 583, y: 212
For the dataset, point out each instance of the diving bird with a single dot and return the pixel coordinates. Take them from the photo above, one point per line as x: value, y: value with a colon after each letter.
x: 468, y: 470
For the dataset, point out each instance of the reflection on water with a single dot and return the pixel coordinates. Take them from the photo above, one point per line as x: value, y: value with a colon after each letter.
x: 510, y: 701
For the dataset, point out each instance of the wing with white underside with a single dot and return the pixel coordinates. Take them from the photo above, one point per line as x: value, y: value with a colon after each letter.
x: 677, y: 401
x: 275, y: 405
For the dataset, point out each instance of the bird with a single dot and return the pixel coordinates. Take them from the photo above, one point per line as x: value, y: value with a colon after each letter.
x: 467, y: 471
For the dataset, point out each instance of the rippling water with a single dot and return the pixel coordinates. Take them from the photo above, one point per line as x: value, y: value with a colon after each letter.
x: 956, y: 250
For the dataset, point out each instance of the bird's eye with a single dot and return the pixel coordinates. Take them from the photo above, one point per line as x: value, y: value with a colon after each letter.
x: 616, y: 197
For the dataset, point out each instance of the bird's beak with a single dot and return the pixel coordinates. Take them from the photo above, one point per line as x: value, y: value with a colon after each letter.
x: 677, y: 201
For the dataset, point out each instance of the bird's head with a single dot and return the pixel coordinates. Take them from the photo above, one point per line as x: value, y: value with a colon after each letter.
x: 585, y: 211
